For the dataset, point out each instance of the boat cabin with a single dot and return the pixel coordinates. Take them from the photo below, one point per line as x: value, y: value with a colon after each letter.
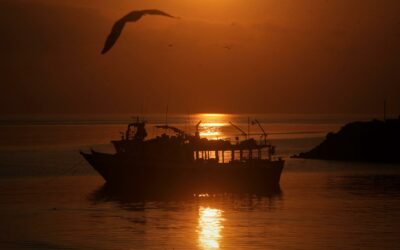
x: 184, y: 147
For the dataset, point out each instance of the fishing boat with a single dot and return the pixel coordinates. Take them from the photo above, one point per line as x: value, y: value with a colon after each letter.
x: 179, y: 161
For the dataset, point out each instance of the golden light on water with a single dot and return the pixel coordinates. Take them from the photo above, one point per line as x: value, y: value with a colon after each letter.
x: 211, y: 124
x: 209, y: 228
x: 203, y: 195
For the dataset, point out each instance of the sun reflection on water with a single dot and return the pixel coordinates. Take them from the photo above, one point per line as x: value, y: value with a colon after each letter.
x: 209, y: 228
x: 211, y: 124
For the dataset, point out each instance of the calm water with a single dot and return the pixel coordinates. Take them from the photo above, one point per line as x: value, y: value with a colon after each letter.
x: 51, y: 199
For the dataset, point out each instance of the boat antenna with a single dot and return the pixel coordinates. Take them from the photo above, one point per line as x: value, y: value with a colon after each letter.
x: 166, y: 116
x: 248, y: 125
x: 187, y: 122
x: 197, y: 133
x: 241, y: 131
x: 142, y: 112
x: 384, y: 110
x: 255, y: 121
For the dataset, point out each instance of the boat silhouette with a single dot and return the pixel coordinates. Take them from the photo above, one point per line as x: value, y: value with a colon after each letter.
x: 187, y: 163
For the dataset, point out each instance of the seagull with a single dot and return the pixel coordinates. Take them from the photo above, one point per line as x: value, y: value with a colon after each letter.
x: 228, y: 47
x: 130, y: 17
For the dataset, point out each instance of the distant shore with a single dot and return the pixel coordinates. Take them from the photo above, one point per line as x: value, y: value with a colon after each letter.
x: 371, y: 141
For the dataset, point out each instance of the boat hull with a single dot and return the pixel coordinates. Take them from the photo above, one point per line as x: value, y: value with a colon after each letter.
x: 125, y: 174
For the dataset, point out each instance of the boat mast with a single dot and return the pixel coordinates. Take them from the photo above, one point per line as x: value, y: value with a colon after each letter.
x: 166, y: 116
x: 384, y: 110
x: 197, y: 133
x: 262, y: 129
x: 248, y: 125
x: 239, y: 129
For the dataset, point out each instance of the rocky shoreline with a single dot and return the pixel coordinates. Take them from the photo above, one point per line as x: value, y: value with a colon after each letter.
x: 371, y: 141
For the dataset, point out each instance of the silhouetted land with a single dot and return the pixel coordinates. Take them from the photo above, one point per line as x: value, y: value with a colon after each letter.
x: 372, y: 141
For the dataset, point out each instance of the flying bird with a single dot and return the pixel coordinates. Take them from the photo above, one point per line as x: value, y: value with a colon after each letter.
x: 130, y: 17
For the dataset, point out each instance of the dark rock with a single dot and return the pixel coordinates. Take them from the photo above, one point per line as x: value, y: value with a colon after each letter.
x: 372, y: 141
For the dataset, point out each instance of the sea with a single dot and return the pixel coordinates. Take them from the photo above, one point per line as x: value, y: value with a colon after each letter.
x: 50, y: 198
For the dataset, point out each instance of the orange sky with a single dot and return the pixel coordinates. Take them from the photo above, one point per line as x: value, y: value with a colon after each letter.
x: 291, y: 56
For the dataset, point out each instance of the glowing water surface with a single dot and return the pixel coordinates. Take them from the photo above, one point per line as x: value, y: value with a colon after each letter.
x: 51, y: 199
x: 210, y: 226
x: 211, y: 124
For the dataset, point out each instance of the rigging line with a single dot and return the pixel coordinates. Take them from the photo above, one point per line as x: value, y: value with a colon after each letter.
x: 71, y: 168
x: 74, y: 171
x: 75, y: 168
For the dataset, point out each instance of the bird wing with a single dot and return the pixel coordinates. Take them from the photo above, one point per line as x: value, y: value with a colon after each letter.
x: 137, y: 14
x: 133, y: 16
x: 157, y: 12
x: 113, y: 36
x: 130, y: 17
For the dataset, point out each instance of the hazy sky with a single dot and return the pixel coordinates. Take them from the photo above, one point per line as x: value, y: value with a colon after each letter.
x: 291, y: 56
